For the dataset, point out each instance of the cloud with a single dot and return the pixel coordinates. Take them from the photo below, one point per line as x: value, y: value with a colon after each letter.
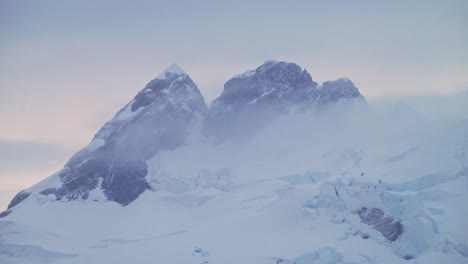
x: 446, y: 108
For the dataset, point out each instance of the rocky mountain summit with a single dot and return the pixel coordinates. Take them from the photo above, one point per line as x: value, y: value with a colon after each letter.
x: 252, y: 99
x: 276, y: 84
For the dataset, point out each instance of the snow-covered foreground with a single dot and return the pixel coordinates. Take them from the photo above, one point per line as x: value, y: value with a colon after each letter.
x: 303, y: 190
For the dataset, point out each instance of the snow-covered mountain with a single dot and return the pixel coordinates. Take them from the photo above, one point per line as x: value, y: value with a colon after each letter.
x: 252, y: 99
x: 314, y: 179
x: 158, y: 118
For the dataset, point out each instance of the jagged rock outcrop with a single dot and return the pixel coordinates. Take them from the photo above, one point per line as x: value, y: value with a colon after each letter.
x: 271, y: 83
x: 386, y: 225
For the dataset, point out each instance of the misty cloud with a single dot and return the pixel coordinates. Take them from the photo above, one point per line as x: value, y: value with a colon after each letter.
x: 16, y: 155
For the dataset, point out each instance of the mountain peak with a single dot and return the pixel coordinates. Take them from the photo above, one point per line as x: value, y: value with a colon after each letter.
x: 270, y: 64
x: 335, y: 91
x: 344, y: 80
x: 257, y: 96
x: 271, y: 81
x: 113, y: 166
x: 274, y: 68
x: 172, y: 69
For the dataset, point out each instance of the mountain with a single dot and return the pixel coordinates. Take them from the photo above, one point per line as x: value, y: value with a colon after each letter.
x: 254, y: 98
x: 271, y: 83
x: 279, y: 169
x: 279, y: 84
x: 157, y: 119
x: 160, y: 116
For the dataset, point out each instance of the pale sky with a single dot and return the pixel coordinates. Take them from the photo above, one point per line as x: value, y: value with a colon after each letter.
x: 67, y: 66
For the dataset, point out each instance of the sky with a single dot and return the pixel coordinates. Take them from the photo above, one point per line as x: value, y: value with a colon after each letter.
x: 66, y: 67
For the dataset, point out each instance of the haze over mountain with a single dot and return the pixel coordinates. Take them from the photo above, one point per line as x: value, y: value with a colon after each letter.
x: 279, y: 169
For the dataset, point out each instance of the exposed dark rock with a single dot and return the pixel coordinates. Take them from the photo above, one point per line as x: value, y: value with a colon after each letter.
x: 21, y: 196
x: 272, y: 82
x: 5, y: 213
x: 126, y: 183
x: 386, y: 225
x: 408, y: 257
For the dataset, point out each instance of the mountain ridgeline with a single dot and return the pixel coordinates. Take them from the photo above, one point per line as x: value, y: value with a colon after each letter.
x: 160, y: 117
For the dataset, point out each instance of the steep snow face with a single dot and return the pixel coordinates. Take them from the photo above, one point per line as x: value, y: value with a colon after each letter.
x: 157, y: 119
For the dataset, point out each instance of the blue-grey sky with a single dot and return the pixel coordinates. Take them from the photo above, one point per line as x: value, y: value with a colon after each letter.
x: 67, y: 66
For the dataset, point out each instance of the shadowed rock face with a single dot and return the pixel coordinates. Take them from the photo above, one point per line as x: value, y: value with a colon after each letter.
x: 121, y: 181
x: 5, y: 213
x: 271, y: 83
x: 21, y: 196
x: 386, y: 225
